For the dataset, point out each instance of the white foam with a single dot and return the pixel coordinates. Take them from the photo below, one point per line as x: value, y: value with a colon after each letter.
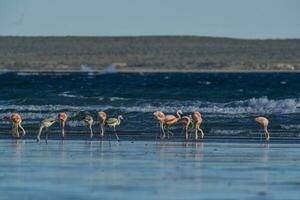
x: 49, y: 108
x: 86, y: 68
x: 110, y: 69
x: 227, y: 132
x: 67, y: 94
x: 117, y: 99
x: 261, y: 105
x: 28, y: 73
x: 291, y: 126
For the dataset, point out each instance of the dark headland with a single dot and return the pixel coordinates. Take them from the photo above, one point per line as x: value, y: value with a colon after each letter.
x: 147, y: 54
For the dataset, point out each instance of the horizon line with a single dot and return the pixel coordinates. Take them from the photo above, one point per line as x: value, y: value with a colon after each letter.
x: 154, y: 35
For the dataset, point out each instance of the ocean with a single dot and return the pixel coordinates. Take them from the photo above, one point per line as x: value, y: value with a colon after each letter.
x: 232, y: 162
x: 229, y: 102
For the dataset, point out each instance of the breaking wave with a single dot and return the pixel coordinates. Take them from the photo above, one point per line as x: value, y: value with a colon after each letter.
x: 67, y: 94
x: 261, y: 105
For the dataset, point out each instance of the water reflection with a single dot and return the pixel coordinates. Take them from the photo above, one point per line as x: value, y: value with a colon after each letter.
x: 199, y: 147
x: 17, y: 146
x: 169, y: 168
x: 61, y: 149
x: 265, y: 152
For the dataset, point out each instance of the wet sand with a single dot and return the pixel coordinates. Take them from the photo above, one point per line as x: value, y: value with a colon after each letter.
x: 79, y: 169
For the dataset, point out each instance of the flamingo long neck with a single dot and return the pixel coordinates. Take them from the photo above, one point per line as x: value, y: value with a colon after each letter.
x: 160, y: 118
x: 23, y: 130
x: 266, y: 129
x: 119, y: 120
x: 178, y: 115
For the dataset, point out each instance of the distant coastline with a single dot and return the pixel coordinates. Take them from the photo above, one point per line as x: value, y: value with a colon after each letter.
x: 148, y: 54
x: 147, y: 70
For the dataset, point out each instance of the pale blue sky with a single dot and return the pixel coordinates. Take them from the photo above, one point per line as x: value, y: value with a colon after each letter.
x: 228, y: 18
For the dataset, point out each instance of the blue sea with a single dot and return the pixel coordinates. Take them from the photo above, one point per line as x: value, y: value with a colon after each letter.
x: 232, y: 162
x: 229, y: 102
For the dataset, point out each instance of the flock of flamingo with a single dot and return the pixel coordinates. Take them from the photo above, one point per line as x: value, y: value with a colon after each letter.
x: 194, y: 119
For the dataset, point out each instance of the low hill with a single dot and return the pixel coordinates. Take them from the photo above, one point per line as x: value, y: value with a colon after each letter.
x: 161, y: 53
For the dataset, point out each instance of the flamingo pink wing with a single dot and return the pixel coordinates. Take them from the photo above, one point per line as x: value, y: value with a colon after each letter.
x: 169, y: 118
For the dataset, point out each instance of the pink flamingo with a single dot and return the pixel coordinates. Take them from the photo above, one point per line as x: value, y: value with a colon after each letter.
x: 197, y: 120
x: 264, y: 122
x: 102, y: 118
x: 63, y: 118
x: 16, y: 120
x: 186, y: 121
x: 89, y: 121
x: 160, y: 116
x: 170, y: 120
x: 46, y: 123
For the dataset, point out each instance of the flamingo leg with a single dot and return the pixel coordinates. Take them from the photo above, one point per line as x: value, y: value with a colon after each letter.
x: 91, y: 132
x: 116, y: 134
x: 187, y: 133
x: 102, y: 130
x: 63, y: 129
x: 46, y: 139
x: 38, y: 138
x: 196, y: 132
x: 202, y: 133
x: 109, y: 139
x: 15, y: 131
x: 163, y: 131
x: 171, y: 133
x: 168, y: 131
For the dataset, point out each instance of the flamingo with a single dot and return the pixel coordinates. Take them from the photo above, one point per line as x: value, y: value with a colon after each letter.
x: 102, y: 119
x: 186, y: 121
x: 197, y: 120
x: 16, y: 120
x: 113, y: 122
x: 46, y: 123
x: 160, y: 116
x: 63, y: 118
x: 264, y: 122
x: 89, y: 121
x: 171, y: 120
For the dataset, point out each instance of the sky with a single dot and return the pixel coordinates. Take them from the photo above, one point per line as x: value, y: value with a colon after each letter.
x: 222, y: 18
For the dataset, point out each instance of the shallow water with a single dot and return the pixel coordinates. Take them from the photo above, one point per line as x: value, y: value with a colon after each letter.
x: 148, y: 169
x: 230, y: 163
x: 227, y: 101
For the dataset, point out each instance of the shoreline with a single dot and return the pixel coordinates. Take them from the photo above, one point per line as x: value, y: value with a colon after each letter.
x: 149, y: 71
x: 152, y: 138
